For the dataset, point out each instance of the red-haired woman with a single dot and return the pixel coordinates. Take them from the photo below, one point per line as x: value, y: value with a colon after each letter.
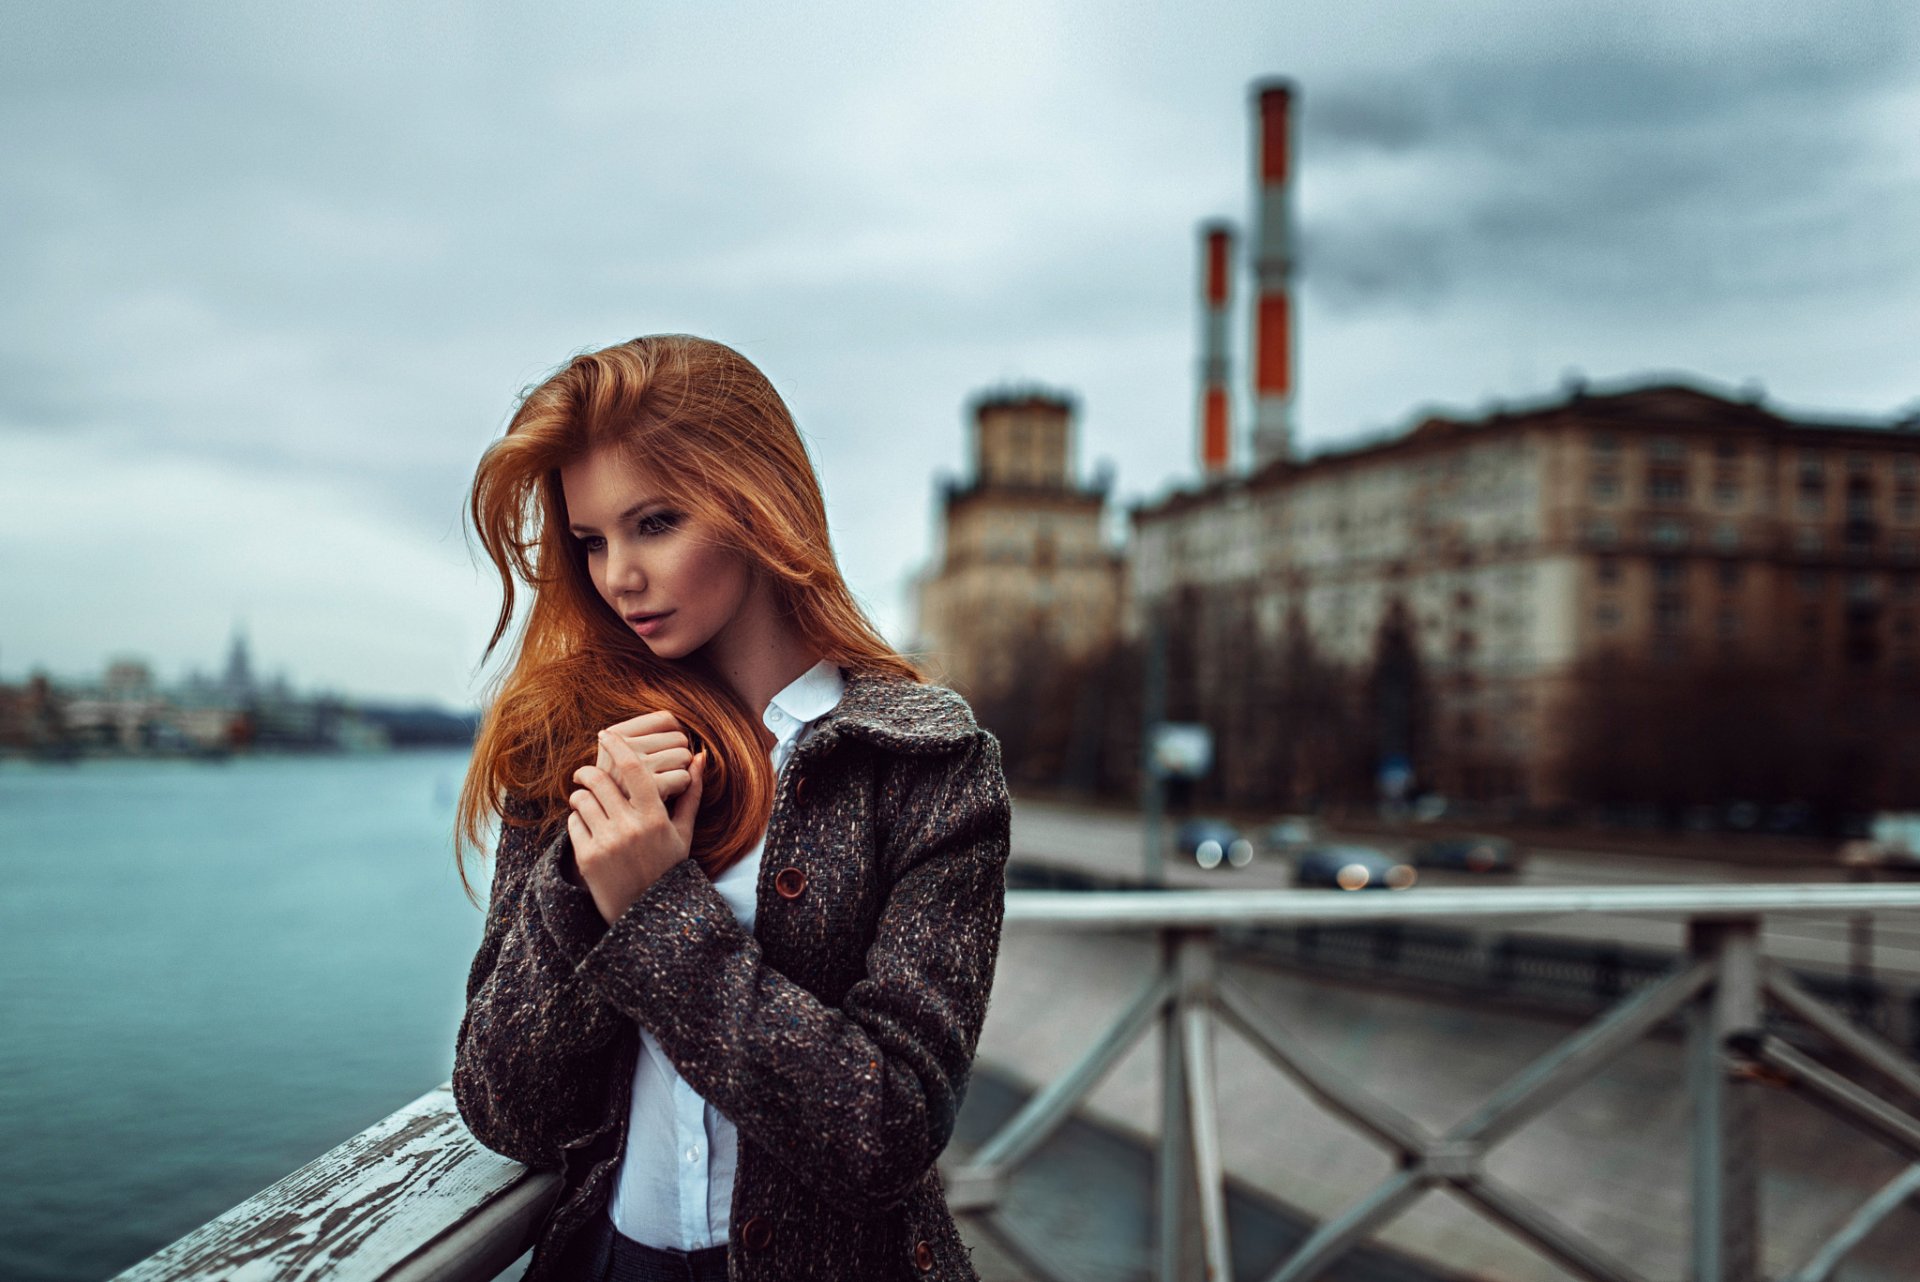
x: 747, y: 896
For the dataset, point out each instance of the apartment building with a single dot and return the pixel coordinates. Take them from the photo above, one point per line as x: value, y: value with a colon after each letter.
x: 1469, y: 576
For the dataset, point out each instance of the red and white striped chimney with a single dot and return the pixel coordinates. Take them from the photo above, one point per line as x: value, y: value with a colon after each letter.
x: 1273, y: 315
x: 1216, y: 420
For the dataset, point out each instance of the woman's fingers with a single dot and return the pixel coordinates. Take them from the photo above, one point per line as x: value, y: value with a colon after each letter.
x: 633, y: 774
x: 646, y: 723
x: 671, y: 783
x: 585, y: 805
x: 669, y: 759
x: 605, y: 790
x: 688, y: 806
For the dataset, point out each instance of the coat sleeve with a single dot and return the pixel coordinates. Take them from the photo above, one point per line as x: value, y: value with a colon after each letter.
x: 530, y: 1067
x: 858, y: 1100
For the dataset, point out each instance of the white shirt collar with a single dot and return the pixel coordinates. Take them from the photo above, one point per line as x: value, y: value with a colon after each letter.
x: 806, y: 698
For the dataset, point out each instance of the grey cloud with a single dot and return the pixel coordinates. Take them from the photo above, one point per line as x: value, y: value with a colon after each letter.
x: 1618, y: 175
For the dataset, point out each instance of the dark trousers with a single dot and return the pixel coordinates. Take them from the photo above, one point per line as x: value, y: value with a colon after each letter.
x: 603, y: 1254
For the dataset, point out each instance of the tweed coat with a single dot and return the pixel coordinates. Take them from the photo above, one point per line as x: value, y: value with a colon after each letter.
x: 837, y: 1035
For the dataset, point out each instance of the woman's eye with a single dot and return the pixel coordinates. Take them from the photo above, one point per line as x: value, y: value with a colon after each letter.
x: 592, y: 543
x: 658, y: 522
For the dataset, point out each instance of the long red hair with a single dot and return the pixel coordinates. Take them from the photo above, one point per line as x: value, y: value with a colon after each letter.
x: 707, y: 427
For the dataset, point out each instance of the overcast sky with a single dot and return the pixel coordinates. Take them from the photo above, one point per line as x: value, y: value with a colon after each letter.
x: 271, y: 276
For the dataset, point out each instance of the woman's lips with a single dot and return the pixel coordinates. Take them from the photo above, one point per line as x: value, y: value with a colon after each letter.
x: 647, y: 624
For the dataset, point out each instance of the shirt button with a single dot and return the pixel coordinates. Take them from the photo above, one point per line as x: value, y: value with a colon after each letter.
x: 791, y: 883
x: 693, y: 1154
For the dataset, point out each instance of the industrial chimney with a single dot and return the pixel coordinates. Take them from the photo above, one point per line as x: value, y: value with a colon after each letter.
x: 1216, y: 424
x: 1272, y: 271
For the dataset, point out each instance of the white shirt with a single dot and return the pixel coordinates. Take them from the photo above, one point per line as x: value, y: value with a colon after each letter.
x: 675, y: 1187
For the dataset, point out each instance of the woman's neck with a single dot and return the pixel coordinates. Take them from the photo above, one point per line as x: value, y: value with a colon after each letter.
x: 759, y: 654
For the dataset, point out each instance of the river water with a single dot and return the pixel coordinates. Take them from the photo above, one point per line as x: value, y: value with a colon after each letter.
x: 210, y: 974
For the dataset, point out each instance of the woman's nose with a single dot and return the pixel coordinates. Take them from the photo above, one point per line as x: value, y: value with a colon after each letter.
x: 624, y: 570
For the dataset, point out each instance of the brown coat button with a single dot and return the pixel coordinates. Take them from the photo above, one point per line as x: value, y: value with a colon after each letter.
x: 790, y: 882
x: 799, y: 789
x: 923, y: 1256
x: 756, y: 1234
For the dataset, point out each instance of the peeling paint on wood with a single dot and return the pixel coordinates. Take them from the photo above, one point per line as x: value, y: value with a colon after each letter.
x: 413, y: 1195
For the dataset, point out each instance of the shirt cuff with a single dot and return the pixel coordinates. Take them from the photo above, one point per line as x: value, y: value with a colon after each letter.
x: 566, y: 907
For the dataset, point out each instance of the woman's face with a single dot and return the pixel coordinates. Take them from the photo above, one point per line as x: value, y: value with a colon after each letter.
x: 657, y: 567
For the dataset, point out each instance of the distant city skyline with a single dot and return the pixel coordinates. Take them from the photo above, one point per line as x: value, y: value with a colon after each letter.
x: 276, y: 275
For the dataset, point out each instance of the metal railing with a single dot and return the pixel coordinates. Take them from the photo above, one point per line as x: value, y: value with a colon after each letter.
x: 415, y: 1198
x: 1722, y: 987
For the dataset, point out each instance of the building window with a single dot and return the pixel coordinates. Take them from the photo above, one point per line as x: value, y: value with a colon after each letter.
x: 1726, y: 535
x: 1669, y: 613
x: 1806, y: 539
x: 1861, y: 587
x: 1607, y: 569
x: 1726, y: 451
x: 1727, y: 624
x: 1813, y: 503
x: 1605, y: 487
x: 1810, y: 581
x: 1859, y: 465
x: 1906, y: 467
x: 1666, y: 485
x: 1603, y: 532
x: 1726, y: 493
x: 1606, y: 444
x: 1668, y: 572
x: 1904, y: 546
x: 1668, y: 449
x: 1905, y: 505
x: 1730, y: 574
x: 1668, y: 534
x: 1607, y: 615
x: 1903, y: 581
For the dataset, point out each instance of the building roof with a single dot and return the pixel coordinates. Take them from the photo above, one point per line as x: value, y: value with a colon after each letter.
x: 1668, y: 406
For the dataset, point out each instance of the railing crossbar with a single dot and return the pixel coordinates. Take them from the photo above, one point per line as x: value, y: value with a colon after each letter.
x: 1335, y: 1236
x: 1050, y: 1107
x: 1862, y: 1044
x: 1865, y: 1110
x: 1358, y: 1109
x: 1552, y: 1238
x: 1892, y: 1195
x: 1547, y: 1079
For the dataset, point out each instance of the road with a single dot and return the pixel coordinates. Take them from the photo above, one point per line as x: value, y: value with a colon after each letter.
x: 1108, y: 843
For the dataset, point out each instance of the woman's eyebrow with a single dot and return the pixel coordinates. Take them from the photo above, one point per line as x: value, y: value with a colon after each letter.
x: 580, y: 528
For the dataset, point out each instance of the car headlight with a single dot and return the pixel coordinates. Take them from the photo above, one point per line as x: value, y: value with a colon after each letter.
x: 1400, y: 876
x: 1352, y: 877
x: 1208, y: 853
x: 1240, y: 853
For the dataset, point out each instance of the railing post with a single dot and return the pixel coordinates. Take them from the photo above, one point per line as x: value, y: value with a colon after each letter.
x: 1726, y: 1190
x: 1178, y: 1188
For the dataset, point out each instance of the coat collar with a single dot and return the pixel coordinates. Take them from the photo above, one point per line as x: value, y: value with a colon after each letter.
x: 897, y: 714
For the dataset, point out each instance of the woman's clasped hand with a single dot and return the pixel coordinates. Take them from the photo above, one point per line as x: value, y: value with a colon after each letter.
x: 633, y: 811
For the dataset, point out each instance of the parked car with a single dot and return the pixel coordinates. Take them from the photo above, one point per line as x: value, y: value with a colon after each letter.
x: 1468, y: 854
x: 1892, y: 849
x: 1345, y: 867
x: 1289, y: 833
x: 1212, y: 842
